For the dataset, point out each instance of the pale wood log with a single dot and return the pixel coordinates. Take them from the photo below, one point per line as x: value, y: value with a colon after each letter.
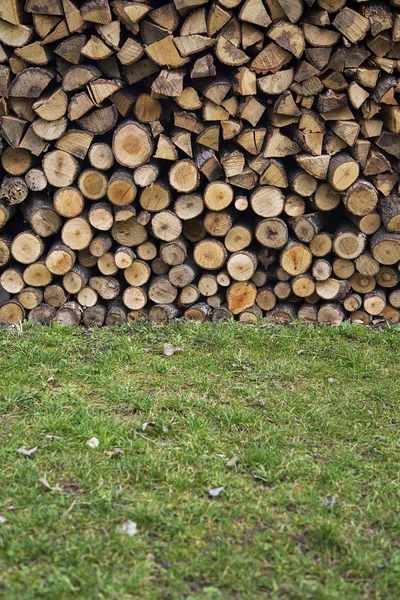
x: 349, y: 242
x: 387, y: 277
x: 41, y: 216
x: 11, y: 280
x: 385, y: 247
x: 332, y: 314
x: 54, y: 295
x: 209, y: 254
x: 69, y: 314
x: 77, y: 233
x: 94, y: 316
x: 343, y: 268
x: 295, y: 258
x: 132, y: 145
x: 162, y: 313
x: 87, y: 297
x: 16, y: 161
x: 60, y: 259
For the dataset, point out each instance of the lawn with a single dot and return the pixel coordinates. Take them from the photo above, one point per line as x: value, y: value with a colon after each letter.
x: 300, y: 426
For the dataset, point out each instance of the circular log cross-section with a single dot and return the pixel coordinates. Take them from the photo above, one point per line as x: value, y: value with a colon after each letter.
x: 11, y: 313
x: 295, y: 258
x: 272, y: 233
x: 60, y: 168
x: 16, y: 161
x: 343, y: 171
x: 27, y: 247
x: 121, y: 190
x: 210, y: 254
x: 100, y: 156
x: 184, y: 176
x: 361, y: 198
x: 241, y: 265
x: 76, y: 233
x: 218, y: 195
x: 68, y: 202
x: 166, y: 226
x: 238, y: 238
x: 155, y: 197
x: 267, y: 201
x: 92, y: 184
x: 241, y: 295
x: 60, y: 259
x: 132, y: 145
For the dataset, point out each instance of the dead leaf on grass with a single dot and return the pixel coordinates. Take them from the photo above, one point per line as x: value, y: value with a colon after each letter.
x: 169, y: 349
x: 3, y: 520
x: 232, y: 462
x: 129, y: 528
x: 215, y: 492
x: 148, y: 425
x: 45, y: 483
x: 115, y: 452
x: 27, y: 453
x: 94, y: 442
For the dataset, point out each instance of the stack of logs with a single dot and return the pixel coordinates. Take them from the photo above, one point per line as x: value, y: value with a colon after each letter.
x: 196, y: 158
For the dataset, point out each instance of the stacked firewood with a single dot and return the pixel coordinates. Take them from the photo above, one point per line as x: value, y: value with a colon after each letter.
x: 195, y: 158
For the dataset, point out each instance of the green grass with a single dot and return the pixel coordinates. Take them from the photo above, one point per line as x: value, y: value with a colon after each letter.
x: 310, y: 510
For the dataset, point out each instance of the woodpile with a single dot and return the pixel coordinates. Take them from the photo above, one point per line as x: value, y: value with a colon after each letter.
x: 199, y: 159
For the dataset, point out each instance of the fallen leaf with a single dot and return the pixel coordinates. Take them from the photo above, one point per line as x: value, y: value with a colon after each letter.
x: 129, y: 527
x: 27, y: 453
x: 215, y: 492
x: 169, y: 349
x: 43, y: 481
x: 148, y: 425
x: 3, y: 520
x: 232, y: 462
x: 93, y: 442
x: 115, y: 452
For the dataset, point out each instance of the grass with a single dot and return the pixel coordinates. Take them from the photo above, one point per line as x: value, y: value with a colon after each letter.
x: 310, y: 510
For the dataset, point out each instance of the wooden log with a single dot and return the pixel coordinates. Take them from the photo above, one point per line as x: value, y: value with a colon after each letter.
x: 332, y: 314
x: 348, y: 242
x: 385, y: 247
x: 374, y: 302
x: 13, y: 190
x: 295, y: 258
x: 343, y: 171
x: 69, y: 314
x: 209, y: 254
x: 41, y: 216
x: 132, y: 145
x: 361, y: 198
x: 240, y: 295
x: 94, y: 316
